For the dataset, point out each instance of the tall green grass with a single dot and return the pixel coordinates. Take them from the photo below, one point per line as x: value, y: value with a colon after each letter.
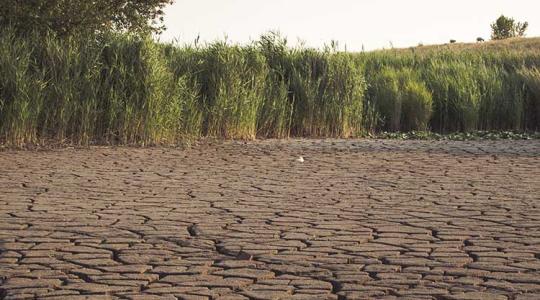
x: 327, y: 91
x: 468, y: 90
x: 116, y: 90
x: 233, y: 82
x: 531, y: 77
x: 123, y: 89
x: 401, y: 99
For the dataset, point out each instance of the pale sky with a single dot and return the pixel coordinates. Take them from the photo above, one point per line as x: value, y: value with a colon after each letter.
x: 373, y: 24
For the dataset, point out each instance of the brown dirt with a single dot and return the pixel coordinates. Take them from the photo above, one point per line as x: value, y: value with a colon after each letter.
x: 358, y: 219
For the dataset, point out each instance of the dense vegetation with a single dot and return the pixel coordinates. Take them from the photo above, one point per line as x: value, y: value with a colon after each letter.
x: 118, y: 88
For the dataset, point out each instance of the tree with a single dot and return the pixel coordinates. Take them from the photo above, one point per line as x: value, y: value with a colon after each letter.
x: 504, y: 28
x: 68, y: 17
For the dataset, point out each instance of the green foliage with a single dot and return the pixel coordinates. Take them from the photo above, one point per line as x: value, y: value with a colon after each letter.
x: 233, y: 81
x: 457, y: 93
x: 417, y: 106
x: 341, y: 97
x: 504, y: 28
x: 143, y: 103
x: 502, y: 99
x: 73, y: 92
x: 306, y: 71
x: 385, y: 94
x: 319, y: 93
x: 124, y: 89
x: 276, y: 114
x: 531, y: 77
x: 21, y: 93
x: 69, y: 17
x: 403, y: 101
x: 472, y: 89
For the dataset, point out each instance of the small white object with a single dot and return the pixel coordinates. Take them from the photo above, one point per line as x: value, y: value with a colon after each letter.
x: 300, y: 159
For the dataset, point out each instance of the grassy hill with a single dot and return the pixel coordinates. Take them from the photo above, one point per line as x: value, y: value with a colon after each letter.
x: 512, y: 44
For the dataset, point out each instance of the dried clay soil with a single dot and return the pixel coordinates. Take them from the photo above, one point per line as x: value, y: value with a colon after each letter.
x: 358, y: 219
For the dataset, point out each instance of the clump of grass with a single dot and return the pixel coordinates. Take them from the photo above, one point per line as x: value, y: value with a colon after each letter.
x: 385, y: 94
x: 115, y: 90
x: 341, y: 97
x: 140, y: 100
x: 276, y: 113
x: 328, y: 92
x: 185, y: 63
x: 21, y: 91
x: 417, y: 106
x: 233, y: 83
x: 458, y: 95
x: 471, y: 90
x: 324, y: 92
x: 305, y: 73
x: 402, y: 99
x: 531, y: 78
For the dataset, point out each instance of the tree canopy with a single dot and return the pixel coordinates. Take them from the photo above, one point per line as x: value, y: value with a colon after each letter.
x: 504, y: 28
x: 68, y: 17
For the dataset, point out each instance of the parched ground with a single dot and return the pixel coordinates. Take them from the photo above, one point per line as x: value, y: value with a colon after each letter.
x: 358, y: 219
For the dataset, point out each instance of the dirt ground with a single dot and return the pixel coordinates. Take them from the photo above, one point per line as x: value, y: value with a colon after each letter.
x: 358, y: 219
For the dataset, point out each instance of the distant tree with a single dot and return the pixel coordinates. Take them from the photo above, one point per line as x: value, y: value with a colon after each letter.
x: 452, y: 41
x: 479, y: 39
x: 504, y: 28
x: 68, y: 17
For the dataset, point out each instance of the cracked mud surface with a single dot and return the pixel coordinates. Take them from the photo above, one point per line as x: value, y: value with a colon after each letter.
x: 358, y: 219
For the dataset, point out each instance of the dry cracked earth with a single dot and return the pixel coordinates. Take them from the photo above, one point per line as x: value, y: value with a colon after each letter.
x: 359, y: 219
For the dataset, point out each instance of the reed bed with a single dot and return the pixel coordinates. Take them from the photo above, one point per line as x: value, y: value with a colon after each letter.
x: 124, y: 89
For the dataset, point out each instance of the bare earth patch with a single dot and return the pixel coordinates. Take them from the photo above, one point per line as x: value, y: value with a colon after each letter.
x: 357, y: 219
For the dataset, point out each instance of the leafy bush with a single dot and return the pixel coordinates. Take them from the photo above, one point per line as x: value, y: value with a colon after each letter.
x: 505, y: 27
